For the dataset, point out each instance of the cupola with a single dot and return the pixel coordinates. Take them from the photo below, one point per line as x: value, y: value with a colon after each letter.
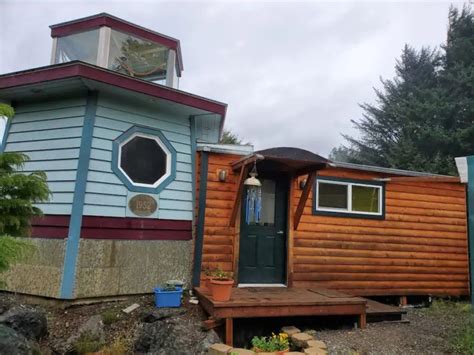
x: 118, y: 45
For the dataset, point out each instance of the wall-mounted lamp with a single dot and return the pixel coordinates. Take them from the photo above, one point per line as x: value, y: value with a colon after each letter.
x: 302, y: 184
x: 222, y: 175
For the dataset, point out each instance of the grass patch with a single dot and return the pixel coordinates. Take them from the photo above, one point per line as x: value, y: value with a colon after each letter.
x: 119, y: 347
x: 463, y: 341
x: 110, y: 316
x: 87, y: 343
x: 461, y: 338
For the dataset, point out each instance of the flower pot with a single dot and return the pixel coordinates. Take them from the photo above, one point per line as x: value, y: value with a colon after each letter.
x: 221, y: 289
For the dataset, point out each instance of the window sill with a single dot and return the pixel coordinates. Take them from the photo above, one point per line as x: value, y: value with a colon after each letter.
x: 348, y: 215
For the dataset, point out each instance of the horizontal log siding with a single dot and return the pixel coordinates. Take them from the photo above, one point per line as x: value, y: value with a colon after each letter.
x: 106, y: 195
x: 49, y: 132
x: 218, y: 244
x: 419, y: 249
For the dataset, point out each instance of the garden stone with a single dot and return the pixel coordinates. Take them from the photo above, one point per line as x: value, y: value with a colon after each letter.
x: 178, y: 336
x: 316, y: 344
x: 315, y: 351
x: 12, y: 342
x: 290, y: 330
x: 300, y: 339
x: 29, y: 322
x: 219, y: 349
x: 159, y: 314
x: 239, y: 351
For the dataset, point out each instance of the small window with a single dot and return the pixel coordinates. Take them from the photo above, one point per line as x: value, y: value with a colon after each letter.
x: 337, y: 196
x: 144, y: 160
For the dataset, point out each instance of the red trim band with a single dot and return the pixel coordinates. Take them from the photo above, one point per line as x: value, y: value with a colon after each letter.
x: 92, y: 72
x: 56, y: 227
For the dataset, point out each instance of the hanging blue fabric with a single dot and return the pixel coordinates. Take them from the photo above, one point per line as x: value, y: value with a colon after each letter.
x: 253, y: 205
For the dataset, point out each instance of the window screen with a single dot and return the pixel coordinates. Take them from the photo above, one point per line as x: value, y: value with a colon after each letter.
x: 332, y: 195
x: 143, y: 160
x: 365, y: 198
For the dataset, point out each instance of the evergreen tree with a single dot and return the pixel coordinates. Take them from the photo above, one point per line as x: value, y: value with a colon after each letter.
x: 230, y: 138
x: 424, y: 117
x: 18, y: 194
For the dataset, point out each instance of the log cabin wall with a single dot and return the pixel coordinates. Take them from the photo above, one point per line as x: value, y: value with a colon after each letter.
x: 420, y: 248
x: 218, y: 243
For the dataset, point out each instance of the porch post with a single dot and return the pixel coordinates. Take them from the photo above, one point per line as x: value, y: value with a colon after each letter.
x: 470, y: 219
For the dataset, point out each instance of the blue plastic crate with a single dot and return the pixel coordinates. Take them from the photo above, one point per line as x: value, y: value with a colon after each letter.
x: 168, y: 298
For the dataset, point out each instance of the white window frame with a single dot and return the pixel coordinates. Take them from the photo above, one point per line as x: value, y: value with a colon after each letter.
x: 349, y: 210
x: 162, y: 146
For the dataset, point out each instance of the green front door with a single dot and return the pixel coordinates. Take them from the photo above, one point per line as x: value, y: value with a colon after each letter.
x: 262, y: 257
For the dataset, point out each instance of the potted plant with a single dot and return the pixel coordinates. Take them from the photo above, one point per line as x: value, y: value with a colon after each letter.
x: 168, y: 295
x: 206, y: 278
x: 221, y: 285
x: 276, y: 344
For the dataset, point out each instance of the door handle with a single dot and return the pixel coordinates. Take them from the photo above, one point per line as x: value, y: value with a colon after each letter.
x: 280, y: 232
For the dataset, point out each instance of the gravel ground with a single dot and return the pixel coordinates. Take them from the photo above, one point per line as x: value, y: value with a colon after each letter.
x: 430, y: 331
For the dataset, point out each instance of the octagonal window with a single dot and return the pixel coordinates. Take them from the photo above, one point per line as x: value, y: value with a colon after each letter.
x: 144, y: 160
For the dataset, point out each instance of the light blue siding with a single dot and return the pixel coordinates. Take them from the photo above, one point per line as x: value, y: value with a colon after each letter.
x: 49, y: 133
x: 106, y: 195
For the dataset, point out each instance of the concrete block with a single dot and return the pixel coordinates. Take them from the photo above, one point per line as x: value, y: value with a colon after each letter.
x: 301, y: 339
x: 290, y: 330
x: 219, y: 349
x: 316, y: 344
x: 239, y: 351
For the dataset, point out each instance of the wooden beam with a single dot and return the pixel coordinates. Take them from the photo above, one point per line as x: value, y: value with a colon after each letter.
x: 246, y: 160
x: 362, y: 320
x: 244, y: 170
x: 290, y: 239
x: 304, y: 197
x: 452, y: 179
x: 229, y: 331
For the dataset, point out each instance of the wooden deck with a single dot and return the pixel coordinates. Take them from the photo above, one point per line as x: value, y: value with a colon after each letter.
x: 255, y: 302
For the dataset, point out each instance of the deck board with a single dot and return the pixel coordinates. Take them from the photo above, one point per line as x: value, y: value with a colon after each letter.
x: 274, y: 302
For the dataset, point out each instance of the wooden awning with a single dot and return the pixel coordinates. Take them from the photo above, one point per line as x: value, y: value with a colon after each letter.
x: 282, y: 160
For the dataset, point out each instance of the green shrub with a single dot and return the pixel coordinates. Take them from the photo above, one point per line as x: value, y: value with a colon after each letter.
x: 463, y: 341
x: 87, y: 343
x: 110, y: 316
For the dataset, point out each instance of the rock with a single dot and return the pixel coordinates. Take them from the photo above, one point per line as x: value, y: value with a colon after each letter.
x: 162, y: 313
x: 219, y: 349
x: 290, y: 330
x: 300, y: 339
x: 239, y: 351
x: 28, y: 321
x: 316, y: 344
x: 92, y: 330
x: 13, y: 343
x: 178, y: 336
x: 315, y: 351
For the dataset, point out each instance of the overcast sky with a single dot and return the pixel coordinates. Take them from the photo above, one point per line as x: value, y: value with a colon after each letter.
x: 292, y: 72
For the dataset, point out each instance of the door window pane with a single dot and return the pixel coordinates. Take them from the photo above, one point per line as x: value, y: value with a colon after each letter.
x: 365, y: 199
x: 268, y: 203
x: 332, y: 195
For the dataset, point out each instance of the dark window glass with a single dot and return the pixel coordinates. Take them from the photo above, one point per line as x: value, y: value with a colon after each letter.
x: 143, y: 160
x: 332, y: 195
x: 365, y: 199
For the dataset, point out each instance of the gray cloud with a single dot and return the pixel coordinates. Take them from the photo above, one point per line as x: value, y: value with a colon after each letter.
x: 292, y: 73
